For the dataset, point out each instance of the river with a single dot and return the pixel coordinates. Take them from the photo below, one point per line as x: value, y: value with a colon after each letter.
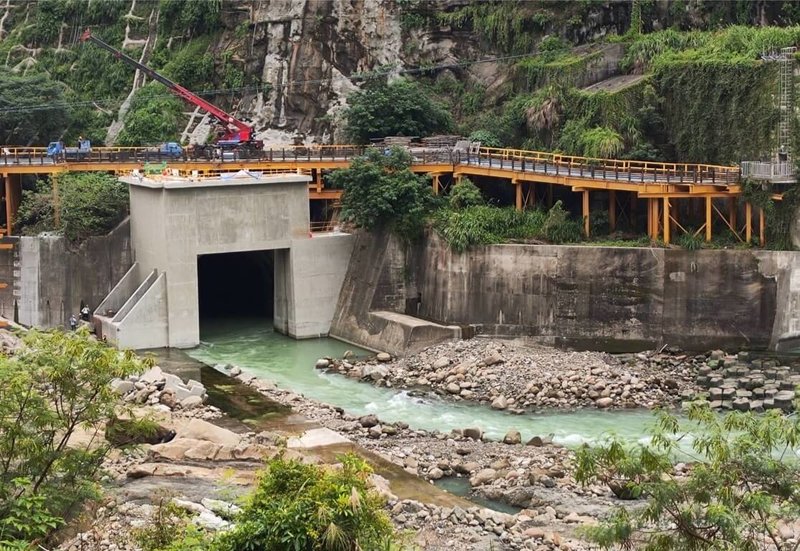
x: 257, y: 349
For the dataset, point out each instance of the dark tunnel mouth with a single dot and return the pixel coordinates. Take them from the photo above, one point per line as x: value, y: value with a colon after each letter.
x: 236, y: 285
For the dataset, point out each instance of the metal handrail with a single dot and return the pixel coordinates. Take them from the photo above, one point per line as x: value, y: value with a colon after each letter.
x: 503, y: 158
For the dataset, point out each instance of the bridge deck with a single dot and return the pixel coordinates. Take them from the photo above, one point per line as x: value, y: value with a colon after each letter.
x: 652, y: 181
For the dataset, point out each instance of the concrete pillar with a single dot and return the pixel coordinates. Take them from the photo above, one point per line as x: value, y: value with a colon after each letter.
x: 748, y: 222
x: 586, y: 213
x: 612, y: 209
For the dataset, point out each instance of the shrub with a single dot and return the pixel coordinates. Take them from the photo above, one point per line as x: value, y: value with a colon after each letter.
x: 689, y: 241
x: 170, y: 529
x: 744, y: 479
x: 399, y: 108
x: 559, y: 228
x: 380, y: 190
x: 90, y: 203
x: 486, y: 137
x: 485, y: 225
x: 297, y: 506
x: 465, y: 194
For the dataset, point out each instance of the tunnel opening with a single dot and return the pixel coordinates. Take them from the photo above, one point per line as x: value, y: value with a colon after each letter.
x: 236, y: 286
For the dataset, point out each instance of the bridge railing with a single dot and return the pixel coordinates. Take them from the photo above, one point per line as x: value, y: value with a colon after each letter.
x: 512, y: 159
x: 607, y: 169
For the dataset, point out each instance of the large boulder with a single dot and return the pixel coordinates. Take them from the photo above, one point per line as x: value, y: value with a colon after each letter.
x: 473, y: 432
x: 512, y: 437
x: 501, y: 402
x: 152, y: 376
x: 368, y: 421
x: 174, y: 450
x: 126, y: 432
x: 374, y: 372
x: 484, y: 476
x: 203, y: 430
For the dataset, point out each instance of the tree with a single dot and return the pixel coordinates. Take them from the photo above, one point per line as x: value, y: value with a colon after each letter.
x: 380, y: 190
x: 32, y: 109
x: 154, y: 117
x: 465, y: 194
x: 310, y: 507
x: 89, y: 203
x: 54, y: 387
x: 743, y: 481
x: 398, y: 108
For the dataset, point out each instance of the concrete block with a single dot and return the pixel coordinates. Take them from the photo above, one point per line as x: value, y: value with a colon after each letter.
x: 153, y: 375
x: 122, y: 387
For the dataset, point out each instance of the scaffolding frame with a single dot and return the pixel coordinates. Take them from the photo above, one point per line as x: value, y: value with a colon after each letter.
x: 785, y: 103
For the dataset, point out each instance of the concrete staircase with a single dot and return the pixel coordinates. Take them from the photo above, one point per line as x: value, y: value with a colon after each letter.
x: 134, y: 314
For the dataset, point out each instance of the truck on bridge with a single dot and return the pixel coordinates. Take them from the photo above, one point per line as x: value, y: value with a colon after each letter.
x: 57, y: 150
x: 171, y: 150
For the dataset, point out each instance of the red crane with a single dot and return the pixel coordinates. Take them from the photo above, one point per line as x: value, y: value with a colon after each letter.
x: 237, y: 133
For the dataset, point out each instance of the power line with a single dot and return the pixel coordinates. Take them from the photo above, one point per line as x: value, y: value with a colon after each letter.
x: 358, y: 77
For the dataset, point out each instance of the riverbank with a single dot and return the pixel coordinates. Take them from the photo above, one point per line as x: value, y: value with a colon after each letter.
x: 537, y: 479
x: 519, y: 377
x: 207, y: 460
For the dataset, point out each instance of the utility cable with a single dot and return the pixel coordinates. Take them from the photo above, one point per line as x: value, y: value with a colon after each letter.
x: 357, y: 77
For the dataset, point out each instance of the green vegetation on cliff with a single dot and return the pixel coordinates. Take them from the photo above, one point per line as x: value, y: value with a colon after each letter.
x: 20, y: 120
x: 397, y: 108
x: 704, y: 96
x: 153, y: 117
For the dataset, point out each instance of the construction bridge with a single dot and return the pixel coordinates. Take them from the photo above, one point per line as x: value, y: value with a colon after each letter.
x: 623, y: 186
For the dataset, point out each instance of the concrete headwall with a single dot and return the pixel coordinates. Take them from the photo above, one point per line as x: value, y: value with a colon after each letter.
x: 593, y: 297
x: 53, y: 278
x: 175, y: 222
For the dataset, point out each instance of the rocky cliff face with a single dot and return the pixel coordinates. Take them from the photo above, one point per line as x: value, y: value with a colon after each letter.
x: 296, y: 61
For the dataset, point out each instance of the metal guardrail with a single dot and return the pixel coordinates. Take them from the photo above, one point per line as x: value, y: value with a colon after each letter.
x: 505, y: 159
x: 607, y: 169
x: 768, y: 170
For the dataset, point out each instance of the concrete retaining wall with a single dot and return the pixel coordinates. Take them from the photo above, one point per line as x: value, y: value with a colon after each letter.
x: 592, y: 297
x: 601, y: 297
x: 53, y: 278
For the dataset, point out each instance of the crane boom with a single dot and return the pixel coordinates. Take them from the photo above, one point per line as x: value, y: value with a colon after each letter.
x: 243, y: 132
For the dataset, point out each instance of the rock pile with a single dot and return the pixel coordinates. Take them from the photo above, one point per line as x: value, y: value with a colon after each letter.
x: 516, y: 377
x: 737, y: 382
x: 116, y: 517
x: 466, y: 527
x: 164, y: 391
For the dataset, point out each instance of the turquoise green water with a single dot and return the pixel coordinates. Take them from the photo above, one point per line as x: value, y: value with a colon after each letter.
x: 258, y: 350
